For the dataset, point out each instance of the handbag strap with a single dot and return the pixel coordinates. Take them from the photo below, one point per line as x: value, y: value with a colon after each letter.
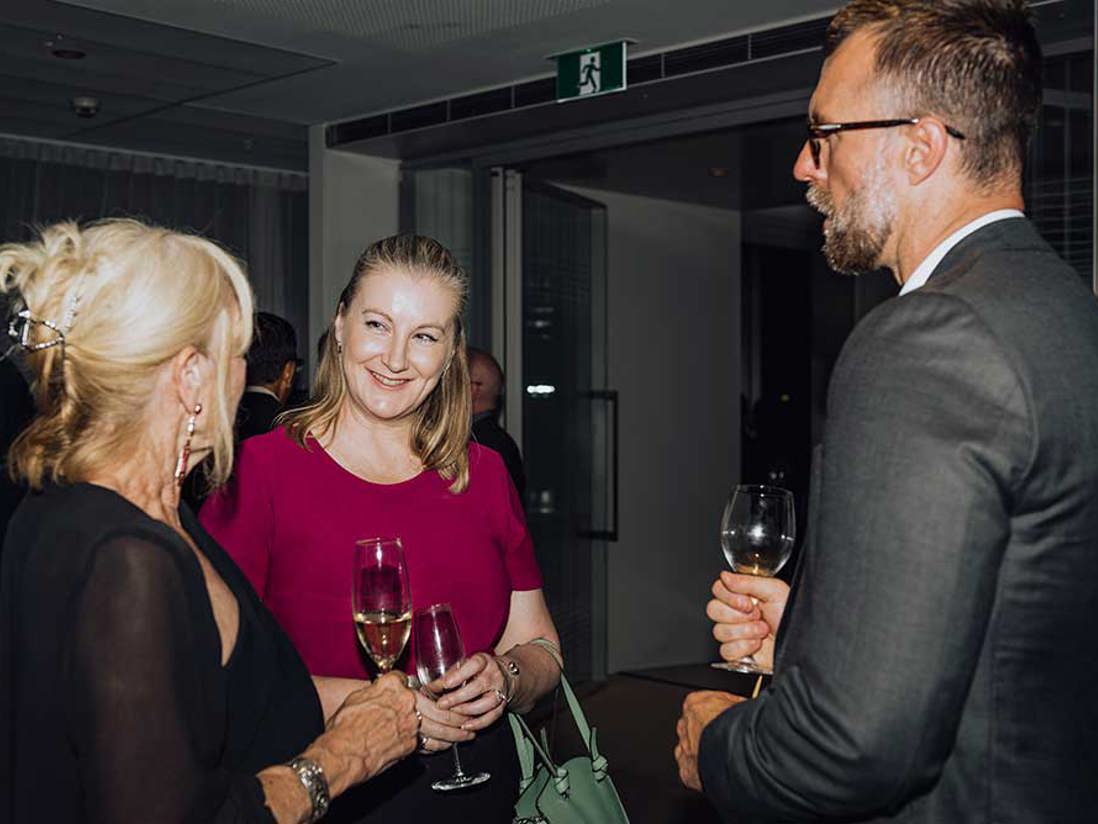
x: 560, y: 775
x: 525, y: 740
x: 552, y: 649
x: 525, y: 752
x: 576, y: 710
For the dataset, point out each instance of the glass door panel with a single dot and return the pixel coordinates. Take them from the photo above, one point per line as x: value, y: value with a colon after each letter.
x: 567, y: 412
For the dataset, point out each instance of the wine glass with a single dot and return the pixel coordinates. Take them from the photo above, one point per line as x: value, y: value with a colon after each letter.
x: 438, y: 650
x: 381, y: 601
x: 757, y: 533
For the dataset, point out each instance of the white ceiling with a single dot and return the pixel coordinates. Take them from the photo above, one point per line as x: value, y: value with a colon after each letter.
x: 390, y: 53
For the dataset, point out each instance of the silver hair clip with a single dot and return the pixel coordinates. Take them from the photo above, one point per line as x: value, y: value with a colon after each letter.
x: 72, y: 303
x: 19, y: 329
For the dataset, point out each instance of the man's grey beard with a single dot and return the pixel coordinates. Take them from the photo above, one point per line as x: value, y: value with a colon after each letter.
x: 857, y: 233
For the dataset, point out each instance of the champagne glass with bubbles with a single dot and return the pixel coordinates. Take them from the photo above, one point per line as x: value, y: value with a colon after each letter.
x: 381, y: 600
x: 758, y: 529
x: 439, y: 649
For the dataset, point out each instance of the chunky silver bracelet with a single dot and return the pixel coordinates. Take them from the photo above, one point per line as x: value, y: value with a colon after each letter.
x: 315, y: 783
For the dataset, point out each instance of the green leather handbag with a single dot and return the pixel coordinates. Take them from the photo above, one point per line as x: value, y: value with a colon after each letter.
x: 579, y: 791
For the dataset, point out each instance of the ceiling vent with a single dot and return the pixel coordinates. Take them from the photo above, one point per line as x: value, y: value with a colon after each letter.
x: 781, y: 41
x: 412, y: 25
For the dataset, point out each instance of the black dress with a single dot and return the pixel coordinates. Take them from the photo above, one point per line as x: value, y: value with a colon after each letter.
x: 114, y: 705
x: 16, y: 411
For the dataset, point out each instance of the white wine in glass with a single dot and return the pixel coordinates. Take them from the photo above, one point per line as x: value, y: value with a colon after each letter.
x: 381, y: 601
x: 758, y: 529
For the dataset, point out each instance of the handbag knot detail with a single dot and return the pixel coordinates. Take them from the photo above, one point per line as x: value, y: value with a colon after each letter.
x: 599, y: 766
x: 561, y: 782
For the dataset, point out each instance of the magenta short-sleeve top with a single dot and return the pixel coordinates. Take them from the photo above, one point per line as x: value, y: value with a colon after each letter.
x: 290, y: 517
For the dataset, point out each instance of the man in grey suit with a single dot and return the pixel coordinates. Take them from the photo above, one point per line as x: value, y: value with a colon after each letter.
x: 936, y: 661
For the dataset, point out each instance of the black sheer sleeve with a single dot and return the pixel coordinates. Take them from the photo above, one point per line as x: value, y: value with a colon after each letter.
x: 146, y: 691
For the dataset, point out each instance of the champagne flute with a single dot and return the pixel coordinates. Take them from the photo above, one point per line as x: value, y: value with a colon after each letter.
x: 439, y: 649
x: 381, y: 601
x: 757, y: 533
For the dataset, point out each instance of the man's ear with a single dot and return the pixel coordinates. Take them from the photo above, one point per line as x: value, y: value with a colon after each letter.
x: 925, y: 149
x: 286, y: 376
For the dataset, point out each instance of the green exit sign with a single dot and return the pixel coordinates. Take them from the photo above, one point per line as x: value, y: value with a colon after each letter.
x: 592, y: 71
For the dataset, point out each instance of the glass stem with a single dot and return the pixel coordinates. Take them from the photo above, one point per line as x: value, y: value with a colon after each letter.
x: 458, y: 771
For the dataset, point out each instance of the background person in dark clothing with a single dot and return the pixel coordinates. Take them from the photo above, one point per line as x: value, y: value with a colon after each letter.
x: 272, y: 364
x: 486, y: 378
x: 16, y: 411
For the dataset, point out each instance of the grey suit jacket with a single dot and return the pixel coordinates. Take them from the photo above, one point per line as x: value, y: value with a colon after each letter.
x: 938, y: 661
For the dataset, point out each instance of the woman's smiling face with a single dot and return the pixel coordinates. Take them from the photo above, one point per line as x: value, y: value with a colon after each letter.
x: 397, y: 337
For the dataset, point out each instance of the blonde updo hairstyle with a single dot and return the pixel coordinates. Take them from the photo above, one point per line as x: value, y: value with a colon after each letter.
x: 440, y: 432
x: 137, y: 296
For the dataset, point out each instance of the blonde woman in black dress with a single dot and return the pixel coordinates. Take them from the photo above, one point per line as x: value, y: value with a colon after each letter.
x: 141, y: 679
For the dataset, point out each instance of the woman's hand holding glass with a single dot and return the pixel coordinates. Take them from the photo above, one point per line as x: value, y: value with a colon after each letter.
x: 746, y: 611
x: 477, y: 690
x: 440, y: 729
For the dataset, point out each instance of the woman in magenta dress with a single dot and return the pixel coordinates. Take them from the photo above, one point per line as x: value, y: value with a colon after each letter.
x: 383, y: 451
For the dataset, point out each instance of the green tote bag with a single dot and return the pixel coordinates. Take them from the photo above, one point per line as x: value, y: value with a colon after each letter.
x: 577, y: 792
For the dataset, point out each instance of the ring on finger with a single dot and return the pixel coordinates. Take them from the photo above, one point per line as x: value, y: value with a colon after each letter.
x: 499, y: 694
x: 423, y: 739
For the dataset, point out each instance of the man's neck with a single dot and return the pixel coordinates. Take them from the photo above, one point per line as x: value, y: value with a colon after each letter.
x: 923, y: 235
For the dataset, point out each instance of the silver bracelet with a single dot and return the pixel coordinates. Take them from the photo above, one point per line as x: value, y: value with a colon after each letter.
x: 315, y: 783
x: 510, y: 670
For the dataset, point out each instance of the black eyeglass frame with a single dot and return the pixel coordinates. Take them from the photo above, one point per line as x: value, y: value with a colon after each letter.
x: 817, y: 132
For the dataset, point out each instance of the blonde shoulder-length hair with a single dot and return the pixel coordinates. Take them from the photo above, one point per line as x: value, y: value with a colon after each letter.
x: 440, y: 432
x: 126, y: 298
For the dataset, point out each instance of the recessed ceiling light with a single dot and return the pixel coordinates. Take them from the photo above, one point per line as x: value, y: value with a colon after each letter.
x: 69, y: 54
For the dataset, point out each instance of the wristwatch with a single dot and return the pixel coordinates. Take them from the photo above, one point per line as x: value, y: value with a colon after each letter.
x: 312, y: 779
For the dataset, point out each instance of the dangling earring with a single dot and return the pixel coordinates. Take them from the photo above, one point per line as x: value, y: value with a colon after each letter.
x: 339, y: 347
x: 185, y: 452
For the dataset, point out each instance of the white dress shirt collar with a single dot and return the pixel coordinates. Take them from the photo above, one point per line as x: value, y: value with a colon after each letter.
x: 925, y: 269
x: 262, y: 390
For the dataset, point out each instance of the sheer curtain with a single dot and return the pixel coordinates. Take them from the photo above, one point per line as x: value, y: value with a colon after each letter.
x: 260, y: 215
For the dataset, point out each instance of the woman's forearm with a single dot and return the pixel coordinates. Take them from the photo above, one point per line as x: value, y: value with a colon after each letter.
x: 373, y: 728
x: 539, y: 672
x: 285, y: 795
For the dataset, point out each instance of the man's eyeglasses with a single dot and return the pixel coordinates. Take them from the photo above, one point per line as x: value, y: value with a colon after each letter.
x: 817, y: 132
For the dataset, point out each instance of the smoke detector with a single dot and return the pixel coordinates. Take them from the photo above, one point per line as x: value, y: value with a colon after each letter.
x: 85, y: 106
